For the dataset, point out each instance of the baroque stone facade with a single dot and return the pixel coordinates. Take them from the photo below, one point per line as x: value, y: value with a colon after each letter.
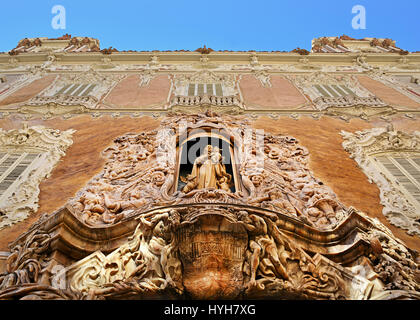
x: 209, y: 174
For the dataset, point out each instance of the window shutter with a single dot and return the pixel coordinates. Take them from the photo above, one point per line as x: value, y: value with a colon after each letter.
x: 348, y: 90
x: 80, y: 89
x: 334, y: 91
x: 340, y: 90
x: 219, y: 91
x: 61, y: 91
x: 331, y: 91
x: 209, y: 89
x: 13, y: 167
x: 76, y: 89
x: 191, y: 89
x: 200, y: 89
x: 405, y: 171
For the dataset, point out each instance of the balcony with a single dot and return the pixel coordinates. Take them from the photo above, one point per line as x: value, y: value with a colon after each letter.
x: 64, y: 100
x: 323, y: 103
x: 206, y: 101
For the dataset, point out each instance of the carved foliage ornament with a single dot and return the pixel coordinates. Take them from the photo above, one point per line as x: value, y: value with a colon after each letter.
x: 363, y: 146
x: 21, y: 198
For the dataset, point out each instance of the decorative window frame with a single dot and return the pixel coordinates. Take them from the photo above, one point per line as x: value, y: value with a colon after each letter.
x: 21, y: 81
x: 103, y: 85
x: 21, y: 198
x: 361, y: 97
x: 230, y: 101
x: 395, y: 83
x: 182, y: 81
x: 363, y: 146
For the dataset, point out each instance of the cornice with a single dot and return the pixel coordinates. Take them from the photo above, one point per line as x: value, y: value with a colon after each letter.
x: 74, y: 238
x: 52, y: 110
x: 216, y: 57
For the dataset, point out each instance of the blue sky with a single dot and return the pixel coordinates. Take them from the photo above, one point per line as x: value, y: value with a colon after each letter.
x: 220, y: 24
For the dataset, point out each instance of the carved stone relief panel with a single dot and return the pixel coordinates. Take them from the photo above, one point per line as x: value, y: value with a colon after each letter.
x: 390, y: 159
x: 141, y: 170
x: 28, y: 155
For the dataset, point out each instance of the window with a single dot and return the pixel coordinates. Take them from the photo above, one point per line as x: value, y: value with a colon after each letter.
x: 333, y: 91
x: 411, y: 84
x: 27, y: 156
x: 76, y: 89
x: 405, y: 172
x: 391, y: 159
x: 199, y: 89
x: 13, y: 166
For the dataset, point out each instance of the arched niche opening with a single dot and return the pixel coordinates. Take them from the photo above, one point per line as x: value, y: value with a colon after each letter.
x: 194, y: 144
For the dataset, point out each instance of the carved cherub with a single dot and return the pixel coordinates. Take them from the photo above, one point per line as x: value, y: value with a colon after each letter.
x: 275, y: 199
x: 163, y: 245
x: 263, y: 253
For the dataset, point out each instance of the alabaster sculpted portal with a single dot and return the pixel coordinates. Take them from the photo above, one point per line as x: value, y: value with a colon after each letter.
x: 216, y: 210
x: 209, y: 175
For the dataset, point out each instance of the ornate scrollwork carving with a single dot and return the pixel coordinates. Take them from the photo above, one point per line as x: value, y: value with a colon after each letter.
x: 27, y: 259
x: 22, y: 198
x: 362, y: 146
x: 135, y: 178
x: 102, y: 85
x: 361, y: 97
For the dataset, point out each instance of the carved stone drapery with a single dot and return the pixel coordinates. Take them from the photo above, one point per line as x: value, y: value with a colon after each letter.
x: 363, y: 146
x: 51, y: 144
